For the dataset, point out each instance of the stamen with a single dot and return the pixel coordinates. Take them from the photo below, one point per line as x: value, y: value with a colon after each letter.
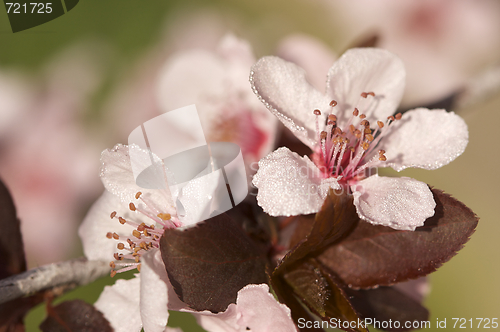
x: 164, y: 216
x: 333, y: 103
x: 138, y: 195
x: 380, y: 124
x: 113, y: 214
x: 355, y: 112
x: 132, y: 207
x: 366, y: 94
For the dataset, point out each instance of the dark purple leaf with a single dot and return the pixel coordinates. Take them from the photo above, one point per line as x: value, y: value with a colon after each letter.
x: 378, y: 255
x: 209, y: 263
x: 386, y: 304
x: 12, y: 260
x: 371, y: 39
x: 75, y: 316
x: 335, y: 219
x: 321, y: 293
x: 12, y: 313
x: 285, y: 295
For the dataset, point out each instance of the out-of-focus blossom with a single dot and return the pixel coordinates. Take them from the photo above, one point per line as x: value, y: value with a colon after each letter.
x: 16, y: 96
x: 310, y: 54
x: 216, y: 81
x: 442, y: 42
x: 138, y: 218
x: 48, y: 160
x: 218, y: 84
x: 344, y: 130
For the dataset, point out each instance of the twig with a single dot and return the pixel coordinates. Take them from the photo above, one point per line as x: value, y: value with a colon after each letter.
x: 70, y: 274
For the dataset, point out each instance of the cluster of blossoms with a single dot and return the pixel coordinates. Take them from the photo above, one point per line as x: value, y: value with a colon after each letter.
x: 351, y: 130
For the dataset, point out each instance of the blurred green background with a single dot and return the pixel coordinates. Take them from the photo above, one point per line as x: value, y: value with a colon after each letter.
x: 467, y: 286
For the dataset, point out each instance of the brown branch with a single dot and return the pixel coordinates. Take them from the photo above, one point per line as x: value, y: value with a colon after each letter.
x: 68, y: 274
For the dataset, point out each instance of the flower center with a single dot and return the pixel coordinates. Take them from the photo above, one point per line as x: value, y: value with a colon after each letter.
x: 347, y: 153
x: 143, y: 238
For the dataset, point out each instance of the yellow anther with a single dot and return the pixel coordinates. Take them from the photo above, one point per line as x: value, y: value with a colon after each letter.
x: 369, y: 137
x: 164, y: 216
x: 398, y: 116
x: 333, y: 103
x: 136, y: 234
x: 355, y: 112
x: 132, y: 207
x: 317, y: 112
x: 109, y: 235
x: 113, y: 214
x: 112, y: 264
x: 120, y: 246
x: 380, y: 124
x: 138, y: 195
x: 112, y: 274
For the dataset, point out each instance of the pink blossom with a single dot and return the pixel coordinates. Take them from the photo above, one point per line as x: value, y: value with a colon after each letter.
x: 351, y: 131
x: 110, y: 231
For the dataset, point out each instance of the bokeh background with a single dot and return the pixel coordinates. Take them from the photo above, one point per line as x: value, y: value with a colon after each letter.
x: 80, y: 83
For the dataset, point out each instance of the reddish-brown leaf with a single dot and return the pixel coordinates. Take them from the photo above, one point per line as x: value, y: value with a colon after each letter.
x: 335, y: 219
x: 209, y: 263
x: 12, y: 260
x: 387, y: 304
x: 376, y: 255
x: 321, y: 293
x: 12, y: 313
x: 75, y: 316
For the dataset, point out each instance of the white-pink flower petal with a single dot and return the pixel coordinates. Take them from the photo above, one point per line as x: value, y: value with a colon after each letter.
x: 284, y: 90
x: 289, y: 184
x: 255, y: 310
x: 157, y: 295
x: 97, y: 223
x: 424, y: 138
x: 120, y: 305
x: 118, y: 177
x: 366, y: 70
x: 401, y: 203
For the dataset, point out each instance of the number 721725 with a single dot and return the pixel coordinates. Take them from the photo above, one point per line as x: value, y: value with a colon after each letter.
x: 31, y: 8
x: 485, y: 323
